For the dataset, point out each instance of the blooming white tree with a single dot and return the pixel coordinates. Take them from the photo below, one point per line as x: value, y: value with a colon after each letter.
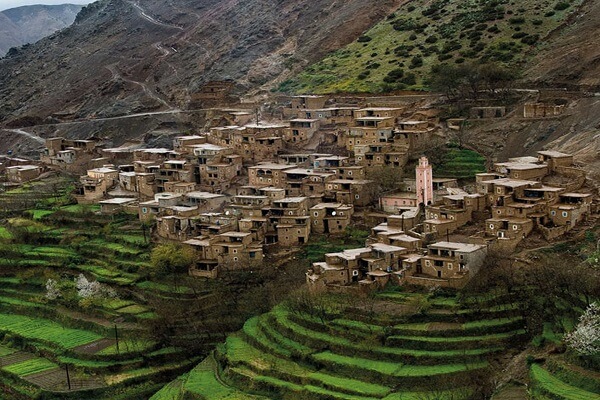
x: 52, y: 290
x: 585, y: 338
x: 93, y: 289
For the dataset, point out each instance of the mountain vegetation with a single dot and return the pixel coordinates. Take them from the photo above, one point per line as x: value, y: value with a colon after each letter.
x: 398, y: 53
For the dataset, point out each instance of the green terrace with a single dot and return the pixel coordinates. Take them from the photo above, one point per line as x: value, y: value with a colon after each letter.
x: 288, y: 352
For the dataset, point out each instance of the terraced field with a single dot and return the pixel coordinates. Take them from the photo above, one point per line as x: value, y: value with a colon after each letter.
x: 286, y: 353
x: 42, y: 337
x: 558, y: 379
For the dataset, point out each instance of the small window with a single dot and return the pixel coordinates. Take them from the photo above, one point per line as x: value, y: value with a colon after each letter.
x: 144, y: 210
x: 565, y: 214
x: 235, y: 259
x: 553, y: 213
x: 357, y: 197
x: 515, y: 227
x: 450, y: 266
x: 354, y: 273
x: 492, y: 226
x: 316, y: 214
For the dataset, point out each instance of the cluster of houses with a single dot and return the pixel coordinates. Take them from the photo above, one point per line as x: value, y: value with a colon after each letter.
x: 544, y: 193
x: 239, y: 189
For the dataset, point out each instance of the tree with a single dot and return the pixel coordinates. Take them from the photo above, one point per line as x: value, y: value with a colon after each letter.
x: 170, y: 258
x: 470, y: 80
x: 387, y: 179
x: 585, y: 339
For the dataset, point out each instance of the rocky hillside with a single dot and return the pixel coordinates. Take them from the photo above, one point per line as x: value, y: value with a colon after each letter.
x: 123, y: 56
x: 29, y: 24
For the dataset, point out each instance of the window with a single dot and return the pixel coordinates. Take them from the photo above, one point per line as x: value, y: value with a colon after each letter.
x: 450, y: 266
x: 316, y: 214
x: 492, y: 226
x: 144, y: 210
x: 553, y: 213
x: 235, y: 259
x: 354, y: 273
x: 515, y: 227
x: 565, y: 214
x: 357, y: 197
x: 234, y: 251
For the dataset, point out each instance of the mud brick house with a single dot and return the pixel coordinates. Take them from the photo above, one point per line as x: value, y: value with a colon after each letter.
x: 23, y: 173
x: 227, y: 252
x: 488, y: 112
x: 509, y: 228
x: 117, y: 205
x: 447, y: 264
x: 268, y: 174
x: 555, y: 159
x: 259, y: 142
x: 213, y: 94
x: 307, y: 102
x: 542, y: 110
x: 330, y: 217
x: 358, y: 192
x: 289, y: 217
x: 97, y: 182
x: 142, y: 183
x: 183, y: 144
x: 522, y: 170
x: 571, y: 209
x: 301, y: 130
x: 370, y: 267
x: 306, y: 182
x: 63, y: 152
x: 334, y: 116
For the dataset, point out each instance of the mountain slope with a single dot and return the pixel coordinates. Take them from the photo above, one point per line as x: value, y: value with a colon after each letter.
x: 28, y: 24
x: 121, y: 56
x: 399, y: 51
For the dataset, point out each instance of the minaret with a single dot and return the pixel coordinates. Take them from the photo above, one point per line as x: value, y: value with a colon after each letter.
x: 424, y: 182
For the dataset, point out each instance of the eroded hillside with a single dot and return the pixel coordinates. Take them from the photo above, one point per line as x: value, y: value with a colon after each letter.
x: 122, y: 56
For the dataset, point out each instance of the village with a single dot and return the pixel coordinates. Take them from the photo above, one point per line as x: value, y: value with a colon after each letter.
x: 251, y: 186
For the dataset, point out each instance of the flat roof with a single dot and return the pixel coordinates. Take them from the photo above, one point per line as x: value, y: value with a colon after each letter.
x: 439, y: 221
x: 555, y: 154
x: 118, y: 200
x: 511, y: 182
x: 271, y: 165
x: 404, y: 238
x: 373, y: 118
x: 103, y: 170
x: 379, y: 109
x: 291, y: 200
x: 467, y: 247
x: 578, y: 195
x: 386, y: 248
x: 203, y: 195
x: 236, y: 234
x: 355, y: 181
x: 521, y: 166
x: 263, y: 125
x: 303, y: 120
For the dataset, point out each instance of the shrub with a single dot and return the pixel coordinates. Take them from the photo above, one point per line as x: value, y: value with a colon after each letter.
x: 517, y: 20
x: 394, y: 76
x: 561, y: 5
x: 364, y: 39
x: 549, y: 14
x: 530, y: 39
x: 416, y: 62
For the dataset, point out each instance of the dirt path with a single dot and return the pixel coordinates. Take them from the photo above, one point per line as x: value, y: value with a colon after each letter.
x: 28, y: 135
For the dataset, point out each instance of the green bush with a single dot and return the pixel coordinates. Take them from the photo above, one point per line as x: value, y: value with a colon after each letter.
x: 561, y: 5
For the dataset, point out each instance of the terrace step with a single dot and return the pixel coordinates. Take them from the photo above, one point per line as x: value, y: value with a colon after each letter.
x: 575, y: 375
x: 321, y: 339
x: 436, y: 343
x: 15, y: 358
x: 557, y: 389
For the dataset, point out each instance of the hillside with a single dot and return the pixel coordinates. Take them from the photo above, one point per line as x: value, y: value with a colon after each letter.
x: 121, y: 56
x: 398, y: 52
x: 29, y: 24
